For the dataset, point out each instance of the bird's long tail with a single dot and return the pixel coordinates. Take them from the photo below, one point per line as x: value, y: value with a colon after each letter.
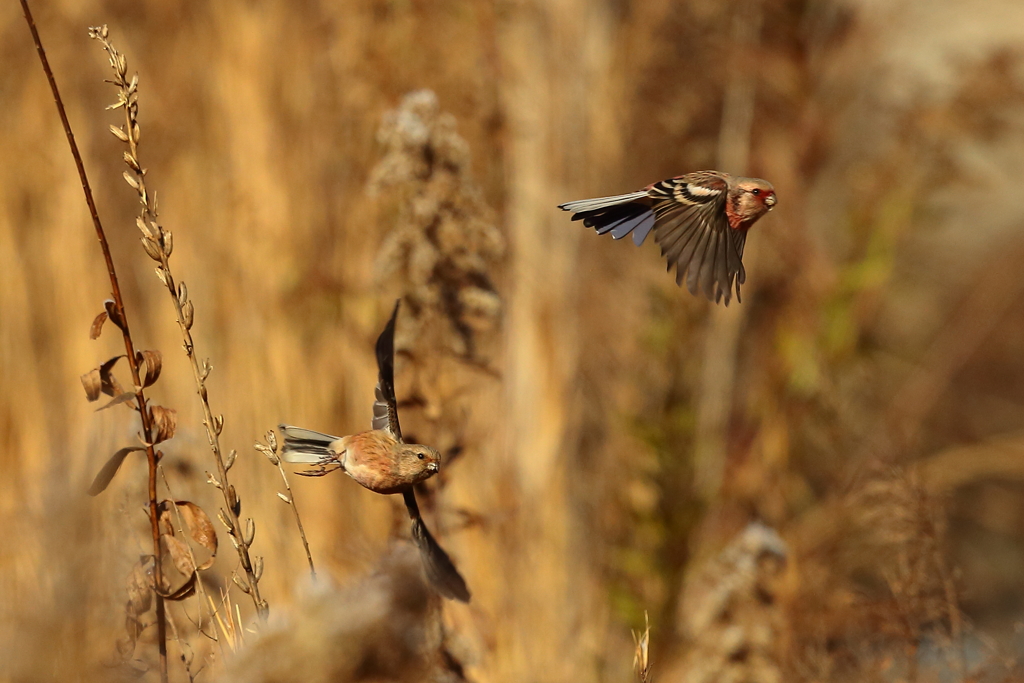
x: 619, y: 215
x: 305, y: 445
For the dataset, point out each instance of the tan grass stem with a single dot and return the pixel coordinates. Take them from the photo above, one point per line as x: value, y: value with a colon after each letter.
x: 270, y: 450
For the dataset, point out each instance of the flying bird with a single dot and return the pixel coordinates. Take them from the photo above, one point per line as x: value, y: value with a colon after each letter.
x: 382, y: 462
x: 700, y: 221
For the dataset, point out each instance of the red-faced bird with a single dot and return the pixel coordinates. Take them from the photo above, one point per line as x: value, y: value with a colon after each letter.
x: 700, y: 221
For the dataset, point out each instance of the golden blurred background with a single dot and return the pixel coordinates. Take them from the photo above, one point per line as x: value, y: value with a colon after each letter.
x: 608, y: 435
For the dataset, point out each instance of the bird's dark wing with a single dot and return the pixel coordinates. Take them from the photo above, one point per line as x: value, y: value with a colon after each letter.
x: 385, y: 405
x: 440, y: 570
x: 692, y: 229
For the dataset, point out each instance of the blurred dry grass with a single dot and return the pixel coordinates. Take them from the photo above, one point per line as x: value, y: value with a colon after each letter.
x: 872, y: 396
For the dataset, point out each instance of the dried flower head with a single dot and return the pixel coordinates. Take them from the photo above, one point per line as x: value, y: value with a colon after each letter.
x: 445, y: 243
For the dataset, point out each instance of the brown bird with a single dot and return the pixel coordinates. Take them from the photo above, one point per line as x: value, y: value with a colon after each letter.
x: 381, y: 461
x: 700, y: 221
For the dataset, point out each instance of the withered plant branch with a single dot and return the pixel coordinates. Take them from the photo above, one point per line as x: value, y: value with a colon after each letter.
x: 159, y: 245
x: 200, y: 587
x: 270, y: 450
x: 140, y: 398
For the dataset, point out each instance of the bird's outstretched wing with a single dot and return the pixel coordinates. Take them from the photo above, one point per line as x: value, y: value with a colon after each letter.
x: 688, y: 217
x: 692, y: 228
x: 440, y: 570
x: 385, y: 405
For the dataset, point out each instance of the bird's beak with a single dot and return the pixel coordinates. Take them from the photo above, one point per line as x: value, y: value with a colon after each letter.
x: 433, y: 467
x: 769, y: 201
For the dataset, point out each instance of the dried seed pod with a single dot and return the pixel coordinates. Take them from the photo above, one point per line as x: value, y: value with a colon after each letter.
x: 187, y: 314
x: 242, y: 585
x: 233, y: 502
x: 226, y: 521
x: 147, y: 229
x: 152, y: 249
x: 132, y: 162
x: 119, y: 133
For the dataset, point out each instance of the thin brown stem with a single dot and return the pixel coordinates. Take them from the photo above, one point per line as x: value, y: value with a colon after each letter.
x: 270, y: 450
x: 298, y: 519
x: 140, y: 398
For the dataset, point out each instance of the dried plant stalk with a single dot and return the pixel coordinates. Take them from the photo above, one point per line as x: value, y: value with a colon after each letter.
x: 159, y: 245
x: 269, y: 449
x: 120, y: 317
x: 641, y: 654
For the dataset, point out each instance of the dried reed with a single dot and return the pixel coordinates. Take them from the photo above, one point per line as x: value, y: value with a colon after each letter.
x: 269, y: 449
x: 642, y: 654
x: 159, y: 245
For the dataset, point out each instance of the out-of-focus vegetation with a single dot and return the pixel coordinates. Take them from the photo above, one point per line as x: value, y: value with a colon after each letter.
x: 609, y: 438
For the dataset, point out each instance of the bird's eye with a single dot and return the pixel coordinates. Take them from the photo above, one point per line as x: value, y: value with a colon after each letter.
x: 419, y: 455
x: 755, y: 192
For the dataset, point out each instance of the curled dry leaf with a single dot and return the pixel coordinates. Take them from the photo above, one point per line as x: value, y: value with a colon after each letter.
x: 97, y: 325
x: 91, y: 383
x: 199, y: 525
x: 185, y: 590
x: 165, y: 421
x: 106, y: 474
x: 165, y: 517
x: 114, y: 314
x: 153, y: 362
x: 180, y: 554
x: 101, y: 380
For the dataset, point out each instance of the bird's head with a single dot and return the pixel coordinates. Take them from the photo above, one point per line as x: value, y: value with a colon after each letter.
x: 417, y: 462
x: 749, y: 199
